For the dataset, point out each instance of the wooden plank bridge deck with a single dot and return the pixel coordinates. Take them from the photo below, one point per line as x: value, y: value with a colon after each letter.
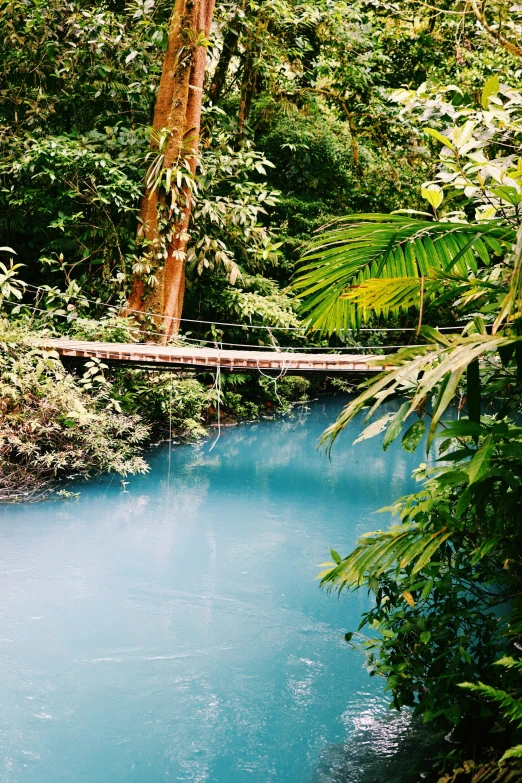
x: 197, y: 358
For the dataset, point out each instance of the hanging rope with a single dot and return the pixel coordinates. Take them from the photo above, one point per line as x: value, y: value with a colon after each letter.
x: 199, y: 341
x: 274, y: 379
x: 233, y: 325
x: 217, y: 387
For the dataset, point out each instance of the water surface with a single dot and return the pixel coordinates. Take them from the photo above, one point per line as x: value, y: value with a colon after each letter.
x: 171, y: 629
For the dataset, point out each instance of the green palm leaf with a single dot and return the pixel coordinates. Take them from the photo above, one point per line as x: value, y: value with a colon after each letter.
x: 379, y: 551
x: 333, y: 282
x: 421, y: 369
x: 382, y: 295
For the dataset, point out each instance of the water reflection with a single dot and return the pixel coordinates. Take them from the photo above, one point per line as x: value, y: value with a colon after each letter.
x: 380, y: 748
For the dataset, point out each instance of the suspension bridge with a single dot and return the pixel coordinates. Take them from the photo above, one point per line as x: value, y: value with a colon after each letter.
x: 184, y: 357
x: 199, y: 354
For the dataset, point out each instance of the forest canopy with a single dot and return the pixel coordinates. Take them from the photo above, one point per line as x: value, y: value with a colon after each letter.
x: 297, y: 128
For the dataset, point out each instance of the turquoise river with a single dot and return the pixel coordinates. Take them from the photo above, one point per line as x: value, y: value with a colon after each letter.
x: 171, y: 629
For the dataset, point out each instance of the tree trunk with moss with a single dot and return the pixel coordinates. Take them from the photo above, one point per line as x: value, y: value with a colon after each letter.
x: 166, y: 207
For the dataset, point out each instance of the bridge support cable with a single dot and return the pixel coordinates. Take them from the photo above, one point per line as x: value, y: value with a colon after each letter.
x: 217, y: 387
x: 123, y: 309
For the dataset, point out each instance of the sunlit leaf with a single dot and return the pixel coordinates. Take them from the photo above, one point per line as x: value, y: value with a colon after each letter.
x: 413, y: 436
x: 440, y: 137
x: 478, y: 467
x: 489, y: 90
x: 395, y: 425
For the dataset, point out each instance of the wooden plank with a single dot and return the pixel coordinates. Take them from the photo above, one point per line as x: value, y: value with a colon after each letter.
x: 193, y: 357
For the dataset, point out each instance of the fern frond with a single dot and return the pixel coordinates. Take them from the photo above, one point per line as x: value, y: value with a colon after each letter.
x: 421, y: 368
x: 513, y: 753
x: 509, y: 663
x: 511, y: 707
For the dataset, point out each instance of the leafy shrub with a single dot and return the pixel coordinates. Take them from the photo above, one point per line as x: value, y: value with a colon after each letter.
x: 294, y: 387
x: 164, y: 400
x: 54, y: 428
x: 111, y: 329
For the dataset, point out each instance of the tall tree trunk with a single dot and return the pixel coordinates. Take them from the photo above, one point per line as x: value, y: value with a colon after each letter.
x: 248, y: 85
x: 252, y: 80
x: 228, y: 50
x: 178, y: 112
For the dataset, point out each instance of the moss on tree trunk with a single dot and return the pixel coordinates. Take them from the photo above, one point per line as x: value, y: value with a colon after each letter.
x: 178, y: 114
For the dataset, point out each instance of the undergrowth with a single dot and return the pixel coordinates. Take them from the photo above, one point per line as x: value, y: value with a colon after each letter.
x: 62, y: 422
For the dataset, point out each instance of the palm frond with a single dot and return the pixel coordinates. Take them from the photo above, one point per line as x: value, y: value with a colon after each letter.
x: 359, y: 247
x: 377, y: 552
x: 511, y: 306
x: 419, y: 369
x: 383, y: 296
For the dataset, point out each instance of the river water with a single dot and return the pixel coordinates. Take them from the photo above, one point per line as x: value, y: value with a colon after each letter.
x: 171, y: 629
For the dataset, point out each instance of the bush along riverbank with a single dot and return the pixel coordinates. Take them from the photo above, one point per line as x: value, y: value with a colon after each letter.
x: 445, y: 628
x: 61, y: 422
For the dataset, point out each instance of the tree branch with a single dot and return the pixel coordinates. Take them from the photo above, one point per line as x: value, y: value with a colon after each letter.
x: 497, y: 35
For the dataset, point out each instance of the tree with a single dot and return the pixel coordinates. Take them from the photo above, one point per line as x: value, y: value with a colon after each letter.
x: 447, y: 578
x: 163, y: 229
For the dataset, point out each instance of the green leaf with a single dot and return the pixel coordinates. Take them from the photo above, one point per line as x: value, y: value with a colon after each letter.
x: 511, y: 450
x: 445, y: 445
x: 374, y: 584
x: 433, y: 195
x: 490, y: 90
x: 513, y: 753
x: 473, y: 390
x: 463, y: 502
x: 374, y: 428
x: 430, y: 550
x: 479, y: 464
x: 506, y: 354
x: 425, y: 637
x: 446, y: 393
x: 427, y: 589
x: 440, y: 137
x: 509, y: 194
x: 451, y: 478
x: 483, y: 549
x: 518, y: 360
x: 413, y: 436
x: 433, y: 335
x: 348, y: 636
x: 336, y: 557
x: 395, y: 426
x: 464, y: 428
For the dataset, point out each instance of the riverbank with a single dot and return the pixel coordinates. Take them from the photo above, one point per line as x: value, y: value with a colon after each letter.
x: 59, y: 424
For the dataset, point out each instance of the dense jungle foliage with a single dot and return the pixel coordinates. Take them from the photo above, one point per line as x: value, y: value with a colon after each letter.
x: 395, y: 125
